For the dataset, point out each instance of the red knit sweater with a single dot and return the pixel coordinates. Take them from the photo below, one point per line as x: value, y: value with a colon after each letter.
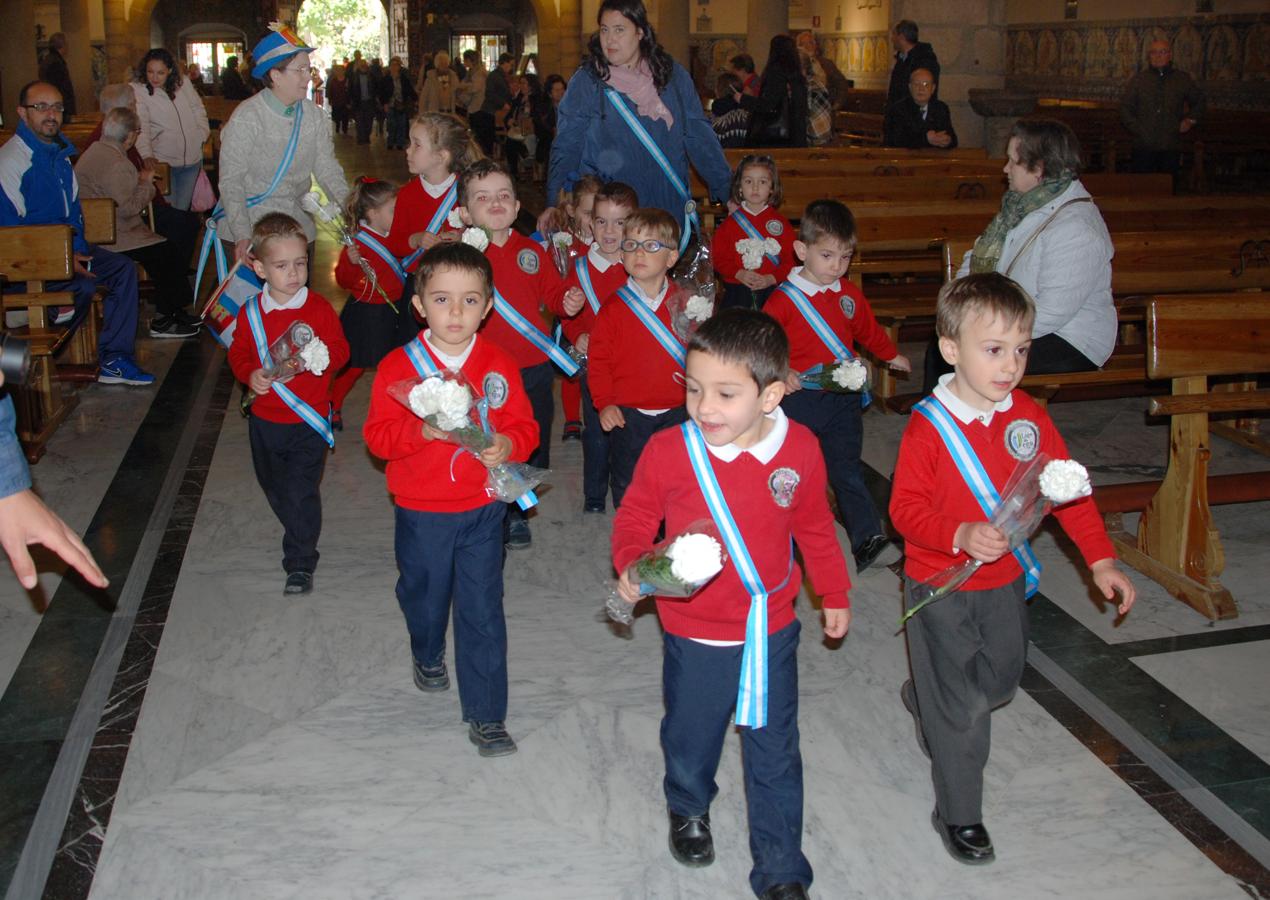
x: 605, y: 283
x: 625, y: 364
x: 665, y: 486
x: 930, y: 499
x: 312, y: 389
x: 528, y: 280
x: 769, y: 223
x: 413, y: 212
x: 349, y: 275
x: 806, y: 349
x: 427, y: 475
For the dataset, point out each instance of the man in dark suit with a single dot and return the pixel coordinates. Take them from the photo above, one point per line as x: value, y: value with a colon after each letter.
x: 910, y: 55
x: 920, y: 121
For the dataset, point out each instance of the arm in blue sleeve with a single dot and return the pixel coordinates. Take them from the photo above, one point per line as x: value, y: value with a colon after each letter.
x: 573, y: 118
x: 14, y: 474
x: 704, y: 150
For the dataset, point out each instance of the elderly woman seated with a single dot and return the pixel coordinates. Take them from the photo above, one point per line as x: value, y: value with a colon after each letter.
x: 105, y: 171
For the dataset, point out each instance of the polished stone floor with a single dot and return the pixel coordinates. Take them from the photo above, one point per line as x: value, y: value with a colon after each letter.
x: 194, y: 733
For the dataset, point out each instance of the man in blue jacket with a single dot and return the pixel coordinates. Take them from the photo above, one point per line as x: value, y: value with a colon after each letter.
x: 38, y: 187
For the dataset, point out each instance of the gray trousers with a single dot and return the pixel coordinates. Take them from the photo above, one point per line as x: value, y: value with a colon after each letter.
x: 967, y: 652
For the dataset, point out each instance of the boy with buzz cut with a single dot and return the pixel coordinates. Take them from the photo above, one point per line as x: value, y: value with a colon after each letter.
x: 289, y: 427
x: 733, y: 645
x: 449, y: 532
x: 967, y: 650
x: 635, y: 365
x: 525, y: 281
x: 597, y: 276
x: 825, y: 316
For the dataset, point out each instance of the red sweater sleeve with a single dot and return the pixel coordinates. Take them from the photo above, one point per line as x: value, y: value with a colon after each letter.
x: 602, y: 355
x: 1080, y: 518
x: 866, y: 330
x: 350, y: 276
x: 391, y: 431
x: 727, y: 262
x: 914, y: 513
x: 814, y: 533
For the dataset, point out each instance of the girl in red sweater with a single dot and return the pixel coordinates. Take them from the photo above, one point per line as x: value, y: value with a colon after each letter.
x: 756, y: 189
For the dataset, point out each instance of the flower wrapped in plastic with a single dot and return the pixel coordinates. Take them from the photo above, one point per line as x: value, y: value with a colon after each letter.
x: 298, y: 349
x: 475, y: 236
x: 446, y: 401
x: 843, y: 376
x: 688, y: 310
x: 563, y: 249
x: 331, y: 219
x: 753, y: 250
x: 1036, y: 487
x: 677, y: 567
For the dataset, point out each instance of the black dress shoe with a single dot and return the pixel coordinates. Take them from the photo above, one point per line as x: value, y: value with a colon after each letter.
x: 877, y: 549
x: 969, y: 844
x: 790, y: 891
x: 298, y: 583
x: 908, y: 694
x: 690, y: 840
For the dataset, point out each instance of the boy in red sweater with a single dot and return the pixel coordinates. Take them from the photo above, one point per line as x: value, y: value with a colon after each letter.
x: 525, y: 281
x: 635, y: 364
x: 771, y: 477
x: 597, y: 276
x: 825, y: 316
x: 289, y: 428
x: 449, y: 534
x: 967, y: 650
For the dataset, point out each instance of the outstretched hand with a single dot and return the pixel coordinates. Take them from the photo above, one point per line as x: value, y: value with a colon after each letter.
x: 25, y: 520
x: 1110, y: 580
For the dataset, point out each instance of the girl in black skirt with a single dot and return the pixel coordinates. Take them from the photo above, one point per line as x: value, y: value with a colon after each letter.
x: 369, y: 319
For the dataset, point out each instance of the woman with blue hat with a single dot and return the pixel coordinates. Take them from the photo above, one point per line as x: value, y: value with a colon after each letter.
x: 274, y: 144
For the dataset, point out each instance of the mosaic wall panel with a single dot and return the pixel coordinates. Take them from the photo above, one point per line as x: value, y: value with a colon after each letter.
x: 1228, y: 55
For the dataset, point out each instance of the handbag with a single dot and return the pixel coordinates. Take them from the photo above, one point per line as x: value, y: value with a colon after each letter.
x: 204, y: 198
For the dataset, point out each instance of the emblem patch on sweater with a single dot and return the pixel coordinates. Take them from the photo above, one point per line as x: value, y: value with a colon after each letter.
x: 528, y: 261
x: 775, y: 227
x: 1022, y: 439
x: 848, y: 306
x: 495, y: 388
x: 782, y: 483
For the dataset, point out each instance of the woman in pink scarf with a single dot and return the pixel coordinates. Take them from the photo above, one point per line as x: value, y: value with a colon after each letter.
x: 625, y: 65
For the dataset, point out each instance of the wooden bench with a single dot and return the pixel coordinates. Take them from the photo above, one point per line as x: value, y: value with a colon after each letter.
x: 37, y: 254
x: 1191, y: 339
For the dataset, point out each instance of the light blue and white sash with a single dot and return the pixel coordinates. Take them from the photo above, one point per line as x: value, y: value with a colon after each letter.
x: 438, y: 219
x: 526, y: 329
x: 691, y: 220
x: 751, y: 697
x: 655, y: 326
x: 210, y: 238
x: 976, y: 478
x: 421, y: 359
x: 583, y: 268
x: 374, y: 245
x: 307, y: 414
x: 752, y: 233
x: 836, y: 345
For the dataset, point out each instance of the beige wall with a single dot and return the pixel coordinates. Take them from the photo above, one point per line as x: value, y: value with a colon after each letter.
x: 1019, y: 11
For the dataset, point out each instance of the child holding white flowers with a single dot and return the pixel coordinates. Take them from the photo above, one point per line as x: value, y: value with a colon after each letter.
x: 753, y: 249
x: 769, y: 473
x: 968, y: 649
x: 449, y: 531
x: 825, y: 316
x: 289, y: 428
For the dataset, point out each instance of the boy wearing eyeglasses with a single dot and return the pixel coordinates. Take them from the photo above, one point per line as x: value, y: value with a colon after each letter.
x: 635, y: 360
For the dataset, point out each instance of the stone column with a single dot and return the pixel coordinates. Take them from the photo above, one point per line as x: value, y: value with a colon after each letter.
x: 969, y: 40
x: 672, y: 29
x: 79, y: 53
x: 765, y: 18
x: 18, y: 62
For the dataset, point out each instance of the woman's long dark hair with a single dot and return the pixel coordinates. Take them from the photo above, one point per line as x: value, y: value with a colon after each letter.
x: 782, y: 56
x: 661, y: 62
x: 174, y: 74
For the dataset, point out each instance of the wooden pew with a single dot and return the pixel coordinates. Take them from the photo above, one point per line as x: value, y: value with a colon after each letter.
x: 37, y: 254
x: 1191, y: 339
x: 784, y: 155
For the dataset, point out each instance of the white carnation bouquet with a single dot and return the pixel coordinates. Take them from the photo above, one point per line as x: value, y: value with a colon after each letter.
x: 475, y: 236
x: 843, y: 376
x: 1035, y: 487
x: 298, y: 349
x: 677, y: 567
x: 753, y: 250
x: 329, y: 217
x: 455, y: 220
x: 447, y: 402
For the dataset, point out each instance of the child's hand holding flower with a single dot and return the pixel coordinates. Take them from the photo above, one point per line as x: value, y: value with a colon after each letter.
x: 496, y: 453
x: 573, y: 300
x: 982, y: 541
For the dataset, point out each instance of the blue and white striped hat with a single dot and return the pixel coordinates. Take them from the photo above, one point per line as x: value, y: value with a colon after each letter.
x: 280, y: 43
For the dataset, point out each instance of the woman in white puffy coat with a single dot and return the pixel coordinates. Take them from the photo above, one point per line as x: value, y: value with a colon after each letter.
x: 173, y: 122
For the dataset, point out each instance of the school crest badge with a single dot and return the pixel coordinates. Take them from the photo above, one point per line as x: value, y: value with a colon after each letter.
x: 495, y: 388
x: 1022, y: 439
x: 775, y: 227
x: 782, y: 483
x: 528, y: 261
x: 848, y: 306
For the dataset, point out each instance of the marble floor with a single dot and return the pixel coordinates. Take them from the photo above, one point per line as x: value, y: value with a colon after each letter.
x: 196, y: 734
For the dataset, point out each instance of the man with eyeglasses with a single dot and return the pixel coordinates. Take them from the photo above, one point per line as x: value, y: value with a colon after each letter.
x: 920, y: 121
x: 38, y: 187
x: 910, y: 55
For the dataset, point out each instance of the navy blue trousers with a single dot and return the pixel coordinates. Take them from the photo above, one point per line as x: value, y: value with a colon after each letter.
x: 699, y: 683
x: 119, y: 310
x: 595, y: 449
x: 289, y: 460
x: 446, y: 559
x: 837, y: 420
x: 628, y: 442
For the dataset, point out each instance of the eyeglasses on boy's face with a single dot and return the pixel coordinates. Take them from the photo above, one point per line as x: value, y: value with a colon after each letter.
x: 649, y: 246
x: 42, y: 107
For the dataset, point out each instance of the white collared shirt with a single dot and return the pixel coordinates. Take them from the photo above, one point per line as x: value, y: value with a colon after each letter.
x: 364, y: 227
x: 268, y: 304
x: 597, y: 259
x: 653, y: 303
x: 809, y: 287
x: 436, y: 190
x: 963, y: 411
x: 754, y: 212
x: 453, y: 363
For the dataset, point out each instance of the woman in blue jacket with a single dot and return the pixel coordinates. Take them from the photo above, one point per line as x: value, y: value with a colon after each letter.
x: 629, y: 103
